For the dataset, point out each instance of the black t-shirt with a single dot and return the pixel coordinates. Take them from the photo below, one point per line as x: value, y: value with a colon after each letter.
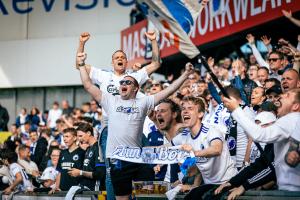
x: 68, y: 160
x: 92, y: 163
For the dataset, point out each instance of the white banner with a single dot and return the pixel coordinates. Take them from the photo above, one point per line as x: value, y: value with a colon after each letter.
x: 151, y: 155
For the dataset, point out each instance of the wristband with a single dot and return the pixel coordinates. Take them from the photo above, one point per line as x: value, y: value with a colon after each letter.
x: 80, y: 173
x: 81, y: 64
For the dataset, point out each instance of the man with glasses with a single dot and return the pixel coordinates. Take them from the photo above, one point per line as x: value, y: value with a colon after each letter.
x: 109, y: 81
x: 125, y: 123
x: 275, y: 64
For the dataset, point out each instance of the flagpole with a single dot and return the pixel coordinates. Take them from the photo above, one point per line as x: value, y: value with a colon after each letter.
x: 201, y: 60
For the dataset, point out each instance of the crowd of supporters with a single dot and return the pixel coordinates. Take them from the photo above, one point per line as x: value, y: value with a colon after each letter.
x: 248, y: 141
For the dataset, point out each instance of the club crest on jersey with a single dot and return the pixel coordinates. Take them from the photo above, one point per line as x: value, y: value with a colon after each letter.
x: 90, y: 154
x: 75, y: 157
x: 231, y: 143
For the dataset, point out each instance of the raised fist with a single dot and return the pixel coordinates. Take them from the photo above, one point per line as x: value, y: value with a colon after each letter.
x: 84, y: 37
x: 151, y: 35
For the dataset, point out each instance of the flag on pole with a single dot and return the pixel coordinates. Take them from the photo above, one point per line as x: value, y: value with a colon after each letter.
x: 174, y: 19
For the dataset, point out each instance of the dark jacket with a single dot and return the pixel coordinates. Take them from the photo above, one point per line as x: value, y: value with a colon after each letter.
x: 40, y: 151
x: 4, y: 118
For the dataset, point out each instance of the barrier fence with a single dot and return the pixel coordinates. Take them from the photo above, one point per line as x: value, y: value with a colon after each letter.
x: 92, y: 195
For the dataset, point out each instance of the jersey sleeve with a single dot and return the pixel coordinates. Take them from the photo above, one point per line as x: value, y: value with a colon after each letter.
x: 15, y: 169
x: 96, y: 75
x: 141, y: 76
x: 179, y: 139
x: 215, y: 133
x: 274, y: 133
x: 106, y: 100
x: 58, y: 167
x: 150, y: 102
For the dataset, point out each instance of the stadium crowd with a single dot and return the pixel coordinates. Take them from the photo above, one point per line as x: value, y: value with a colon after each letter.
x: 248, y: 140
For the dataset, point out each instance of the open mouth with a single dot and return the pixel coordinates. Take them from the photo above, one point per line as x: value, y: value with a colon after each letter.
x: 120, y: 64
x: 124, y: 89
x: 285, y: 87
x: 186, y: 118
x: 160, y: 120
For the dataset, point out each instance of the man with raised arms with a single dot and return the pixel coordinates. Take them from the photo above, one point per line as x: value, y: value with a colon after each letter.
x: 125, y: 123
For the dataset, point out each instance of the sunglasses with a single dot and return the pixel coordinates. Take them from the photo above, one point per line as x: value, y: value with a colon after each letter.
x: 155, y: 85
x: 273, y: 59
x: 126, y: 82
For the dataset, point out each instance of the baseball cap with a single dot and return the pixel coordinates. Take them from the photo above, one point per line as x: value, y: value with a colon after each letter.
x: 265, y: 117
x: 49, y: 173
x: 268, y: 106
x: 275, y: 89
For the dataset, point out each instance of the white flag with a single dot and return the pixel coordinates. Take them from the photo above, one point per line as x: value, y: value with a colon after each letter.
x: 175, y: 19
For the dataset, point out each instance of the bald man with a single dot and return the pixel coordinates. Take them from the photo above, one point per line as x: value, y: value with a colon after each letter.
x: 290, y: 80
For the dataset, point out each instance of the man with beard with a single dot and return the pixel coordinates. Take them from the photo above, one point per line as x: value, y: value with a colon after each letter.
x: 109, y: 83
x: 126, y: 112
x: 209, y: 146
x: 168, y: 121
x: 288, y: 178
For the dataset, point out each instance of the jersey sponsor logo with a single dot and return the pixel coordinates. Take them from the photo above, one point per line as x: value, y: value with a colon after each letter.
x: 112, y: 89
x: 128, y: 110
x: 231, y: 143
x: 67, y: 165
x: 75, y: 157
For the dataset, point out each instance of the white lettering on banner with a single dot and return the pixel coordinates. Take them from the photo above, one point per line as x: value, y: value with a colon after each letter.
x: 213, y: 17
x: 24, y: 6
x: 143, y: 41
x: 203, y: 29
x: 151, y: 155
x: 255, y: 10
x: 264, y: 4
x: 127, y: 45
x: 136, y: 45
x: 226, y: 12
x: 240, y: 6
x: 133, y: 44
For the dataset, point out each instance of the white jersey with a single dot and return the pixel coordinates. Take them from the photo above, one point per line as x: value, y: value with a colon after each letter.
x: 220, y: 117
x: 110, y: 82
x: 288, y: 178
x: 15, y: 168
x: 214, y: 170
x: 125, y: 120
